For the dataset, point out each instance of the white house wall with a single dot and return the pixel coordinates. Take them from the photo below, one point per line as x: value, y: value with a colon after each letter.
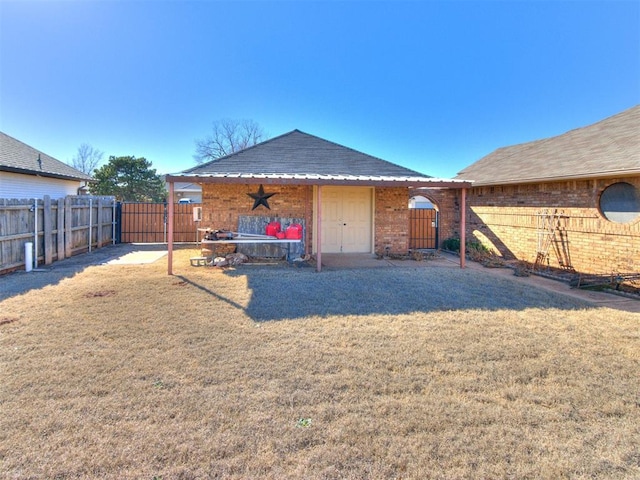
x: 17, y: 185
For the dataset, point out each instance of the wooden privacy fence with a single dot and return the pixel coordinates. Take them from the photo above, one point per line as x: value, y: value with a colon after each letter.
x: 57, y: 228
x: 423, y: 228
x: 148, y: 223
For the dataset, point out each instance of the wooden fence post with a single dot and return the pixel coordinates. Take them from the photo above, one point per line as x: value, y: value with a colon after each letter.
x: 47, y: 228
x: 60, y: 229
x: 68, y: 224
x: 99, y: 222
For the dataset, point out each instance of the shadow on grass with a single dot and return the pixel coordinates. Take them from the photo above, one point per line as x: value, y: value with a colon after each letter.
x: 283, y: 294
x: 210, y: 292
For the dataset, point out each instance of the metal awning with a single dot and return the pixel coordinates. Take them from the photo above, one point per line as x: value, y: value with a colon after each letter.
x: 318, y: 180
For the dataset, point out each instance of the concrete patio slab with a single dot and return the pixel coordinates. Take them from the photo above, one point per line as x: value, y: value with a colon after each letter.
x: 138, y: 257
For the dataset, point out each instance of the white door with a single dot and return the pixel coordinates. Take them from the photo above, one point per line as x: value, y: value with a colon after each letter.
x: 346, y: 219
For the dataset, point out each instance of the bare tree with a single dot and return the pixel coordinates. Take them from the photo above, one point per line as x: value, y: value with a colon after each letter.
x: 228, y: 136
x: 87, y: 159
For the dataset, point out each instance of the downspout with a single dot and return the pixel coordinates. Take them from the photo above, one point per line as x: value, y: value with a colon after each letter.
x: 319, y: 229
x: 170, y: 230
x: 463, y: 227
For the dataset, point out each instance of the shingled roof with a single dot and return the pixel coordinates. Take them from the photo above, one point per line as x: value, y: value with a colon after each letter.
x: 297, y: 157
x: 608, y: 148
x: 18, y: 157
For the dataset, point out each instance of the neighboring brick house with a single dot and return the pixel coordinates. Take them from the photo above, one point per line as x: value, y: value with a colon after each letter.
x: 29, y: 173
x: 589, y: 177
x: 359, y: 201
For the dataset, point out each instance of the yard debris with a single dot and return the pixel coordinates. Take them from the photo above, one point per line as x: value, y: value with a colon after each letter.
x: 230, y: 260
x: 236, y: 258
x: 100, y: 293
x: 198, y: 261
x: 415, y: 255
x: 615, y: 281
x: 218, y: 235
x: 521, y: 269
x: 303, y: 423
x: 492, y: 261
x: 220, y: 262
x: 420, y: 256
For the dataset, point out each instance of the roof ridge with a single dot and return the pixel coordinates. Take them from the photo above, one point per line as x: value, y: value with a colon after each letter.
x: 210, y: 162
x: 610, y: 144
x: 298, y: 152
x: 362, y: 153
x: 298, y: 131
x: 553, y: 137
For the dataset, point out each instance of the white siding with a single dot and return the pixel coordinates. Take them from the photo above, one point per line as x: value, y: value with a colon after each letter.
x: 17, y: 185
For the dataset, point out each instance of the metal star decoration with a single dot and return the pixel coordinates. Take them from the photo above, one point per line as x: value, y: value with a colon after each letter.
x: 260, y: 198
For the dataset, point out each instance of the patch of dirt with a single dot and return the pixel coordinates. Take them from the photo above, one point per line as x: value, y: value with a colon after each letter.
x: 7, y: 320
x: 100, y: 293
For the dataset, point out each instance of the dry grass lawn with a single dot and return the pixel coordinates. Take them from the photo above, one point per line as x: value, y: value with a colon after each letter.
x: 124, y: 372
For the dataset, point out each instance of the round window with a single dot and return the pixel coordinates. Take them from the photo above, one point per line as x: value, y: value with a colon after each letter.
x: 620, y: 202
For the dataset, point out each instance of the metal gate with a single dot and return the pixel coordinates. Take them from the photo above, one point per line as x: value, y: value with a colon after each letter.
x: 423, y: 228
x: 148, y: 223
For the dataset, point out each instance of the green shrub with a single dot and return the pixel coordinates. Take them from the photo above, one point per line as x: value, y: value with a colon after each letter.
x: 451, y: 244
x: 478, y: 247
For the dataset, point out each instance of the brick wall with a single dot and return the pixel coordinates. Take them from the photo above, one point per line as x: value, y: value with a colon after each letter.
x: 391, y: 220
x: 505, y: 219
x: 222, y: 204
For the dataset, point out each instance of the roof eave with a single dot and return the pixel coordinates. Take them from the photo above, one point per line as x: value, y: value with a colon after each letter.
x: 562, y: 178
x: 292, y: 179
x: 36, y: 173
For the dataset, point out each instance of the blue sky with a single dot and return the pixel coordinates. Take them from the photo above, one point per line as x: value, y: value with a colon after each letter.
x: 432, y: 86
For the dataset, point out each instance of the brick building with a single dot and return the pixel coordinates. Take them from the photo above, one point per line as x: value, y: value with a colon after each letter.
x: 347, y: 201
x: 570, y: 201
